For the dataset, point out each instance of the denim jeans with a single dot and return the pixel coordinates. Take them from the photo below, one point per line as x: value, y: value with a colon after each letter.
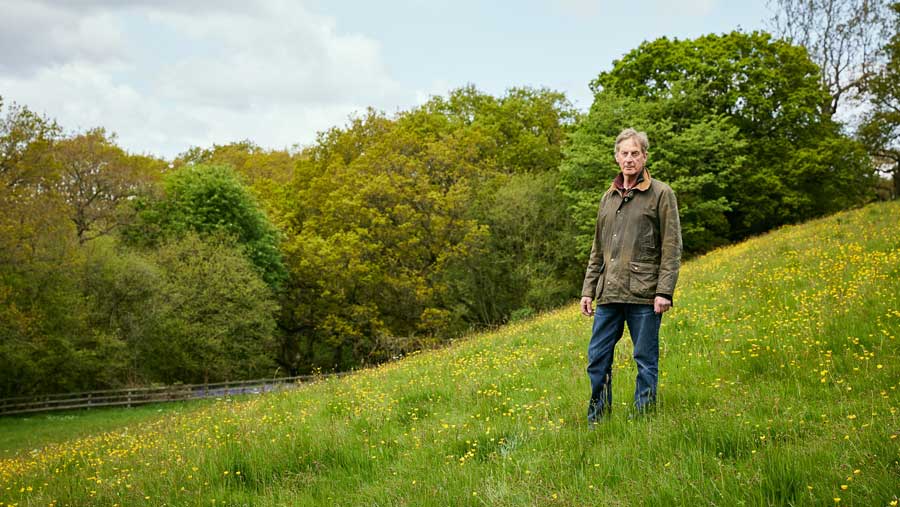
x: 609, y: 324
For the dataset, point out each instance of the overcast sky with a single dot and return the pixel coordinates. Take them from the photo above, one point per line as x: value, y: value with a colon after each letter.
x: 166, y: 75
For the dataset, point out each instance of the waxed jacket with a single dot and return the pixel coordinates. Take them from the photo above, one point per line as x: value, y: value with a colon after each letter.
x: 636, y: 253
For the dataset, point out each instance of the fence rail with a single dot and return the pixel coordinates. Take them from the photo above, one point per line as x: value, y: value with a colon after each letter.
x: 142, y: 395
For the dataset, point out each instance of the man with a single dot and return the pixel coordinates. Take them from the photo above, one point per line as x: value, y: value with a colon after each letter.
x: 631, y: 273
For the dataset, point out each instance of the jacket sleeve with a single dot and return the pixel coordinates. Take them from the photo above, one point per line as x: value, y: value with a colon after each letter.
x: 670, y: 241
x: 595, y: 261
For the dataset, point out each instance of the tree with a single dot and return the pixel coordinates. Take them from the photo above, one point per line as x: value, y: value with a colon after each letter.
x: 699, y: 153
x: 214, y: 316
x: 389, y: 225
x: 40, y: 321
x: 79, y: 311
x: 28, y: 223
x: 529, y: 263
x: 42, y: 327
x: 96, y: 177
x: 24, y: 141
x: 192, y: 310
x: 212, y: 202
x: 880, y: 129
x: 524, y: 129
x: 375, y: 214
x: 770, y: 91
x: 265, y: 172
x: 842, y: 36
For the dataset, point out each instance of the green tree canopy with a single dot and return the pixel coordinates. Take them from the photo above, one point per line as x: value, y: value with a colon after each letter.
x: 210, y: 201
x: 216, y: 317
x: 699, y: 155
x: 389, y: 224
x: 880, y: 129
x: 740, y: 126
x: 96, y: 177
x: 41, y: 327
x: 265, y: 172
x: 25, y: 137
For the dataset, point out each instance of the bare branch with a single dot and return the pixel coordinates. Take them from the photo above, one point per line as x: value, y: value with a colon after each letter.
x: 843, y: 37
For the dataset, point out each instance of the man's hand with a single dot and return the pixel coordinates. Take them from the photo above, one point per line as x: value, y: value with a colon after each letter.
x: 586, y: 309
x: 660, y: 305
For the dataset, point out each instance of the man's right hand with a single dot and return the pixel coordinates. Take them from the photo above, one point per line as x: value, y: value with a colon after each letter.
x: 586, y: 308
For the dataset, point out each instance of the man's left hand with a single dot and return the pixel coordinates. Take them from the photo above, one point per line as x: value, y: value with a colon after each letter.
x: 661, y: 305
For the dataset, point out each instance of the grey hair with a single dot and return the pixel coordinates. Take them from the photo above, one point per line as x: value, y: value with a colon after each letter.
x: 630, y: 133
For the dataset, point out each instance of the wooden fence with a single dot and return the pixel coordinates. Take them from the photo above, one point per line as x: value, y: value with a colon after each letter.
x: 143, y: 395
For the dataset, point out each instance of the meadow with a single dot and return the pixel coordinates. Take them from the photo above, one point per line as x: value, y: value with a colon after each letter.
x: 779, y: 386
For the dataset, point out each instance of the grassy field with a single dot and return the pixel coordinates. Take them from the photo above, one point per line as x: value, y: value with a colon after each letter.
x: 779, y: 386
x: 33, y: 431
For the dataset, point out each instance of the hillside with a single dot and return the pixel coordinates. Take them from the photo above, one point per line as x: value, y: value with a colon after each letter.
x: 778, y: 387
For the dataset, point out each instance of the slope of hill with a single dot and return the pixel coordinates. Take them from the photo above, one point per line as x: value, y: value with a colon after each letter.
x: 779, y: 387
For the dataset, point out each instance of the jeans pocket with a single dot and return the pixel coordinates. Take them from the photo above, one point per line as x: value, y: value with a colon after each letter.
x: 643, y: 278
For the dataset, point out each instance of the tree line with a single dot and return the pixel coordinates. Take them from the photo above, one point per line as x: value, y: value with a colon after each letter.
x: 391, y: 233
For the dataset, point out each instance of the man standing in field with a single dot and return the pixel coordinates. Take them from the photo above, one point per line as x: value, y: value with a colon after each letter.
x: 631, y: 273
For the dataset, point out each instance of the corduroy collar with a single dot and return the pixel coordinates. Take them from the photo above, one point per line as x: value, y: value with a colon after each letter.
x: 643, y: 182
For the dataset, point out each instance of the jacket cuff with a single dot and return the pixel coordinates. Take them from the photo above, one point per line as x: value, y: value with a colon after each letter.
x: 667, y: 296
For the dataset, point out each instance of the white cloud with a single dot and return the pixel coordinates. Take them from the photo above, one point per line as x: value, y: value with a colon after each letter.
x: 283, y: 53
x: 82, y: 97
x: 35, y: 35
x: 166, y: 76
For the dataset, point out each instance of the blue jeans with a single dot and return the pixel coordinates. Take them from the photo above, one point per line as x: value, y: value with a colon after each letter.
x: 609, y: 324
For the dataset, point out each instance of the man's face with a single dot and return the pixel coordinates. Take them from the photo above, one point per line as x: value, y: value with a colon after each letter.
x: 630, y: 158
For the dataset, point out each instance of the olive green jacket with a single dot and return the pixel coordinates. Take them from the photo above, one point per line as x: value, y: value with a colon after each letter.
x: 636, y: 252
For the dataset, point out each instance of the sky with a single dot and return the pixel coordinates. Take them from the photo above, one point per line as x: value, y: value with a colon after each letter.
x: 167, y: 75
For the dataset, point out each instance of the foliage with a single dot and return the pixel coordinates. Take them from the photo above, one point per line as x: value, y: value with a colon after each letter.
x: 752, y: 139
x: 122, y: 291
x: 216, y: 316
x: 880, y: 129
x: 79, y: 311
x: 522, y: 131
x: 680, y: 155
x: 399, y: 233
x: 368, y: 236
x: 211, y: 201
x: 47, y: 342
x: 191, y: 311
x: 96, y: 178
x: 41, y: 327
x: 24, y: 139
x: 529, y: 261
x: 783, y: 393
x: 388, y: 225
x: 265, y: 172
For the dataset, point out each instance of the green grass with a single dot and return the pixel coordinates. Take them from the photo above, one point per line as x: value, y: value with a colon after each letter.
x: 779, y: 387
x: 32, y: 431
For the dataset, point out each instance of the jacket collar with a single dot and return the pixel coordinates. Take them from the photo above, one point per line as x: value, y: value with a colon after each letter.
x: 643, y: 182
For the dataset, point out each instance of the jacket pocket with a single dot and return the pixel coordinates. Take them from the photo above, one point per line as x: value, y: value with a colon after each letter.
x: 642, y: 279
x: 647, y: 237
x: 601, y: 281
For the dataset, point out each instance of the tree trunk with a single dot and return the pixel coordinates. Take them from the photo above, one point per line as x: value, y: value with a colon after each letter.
x: 896, y: 172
